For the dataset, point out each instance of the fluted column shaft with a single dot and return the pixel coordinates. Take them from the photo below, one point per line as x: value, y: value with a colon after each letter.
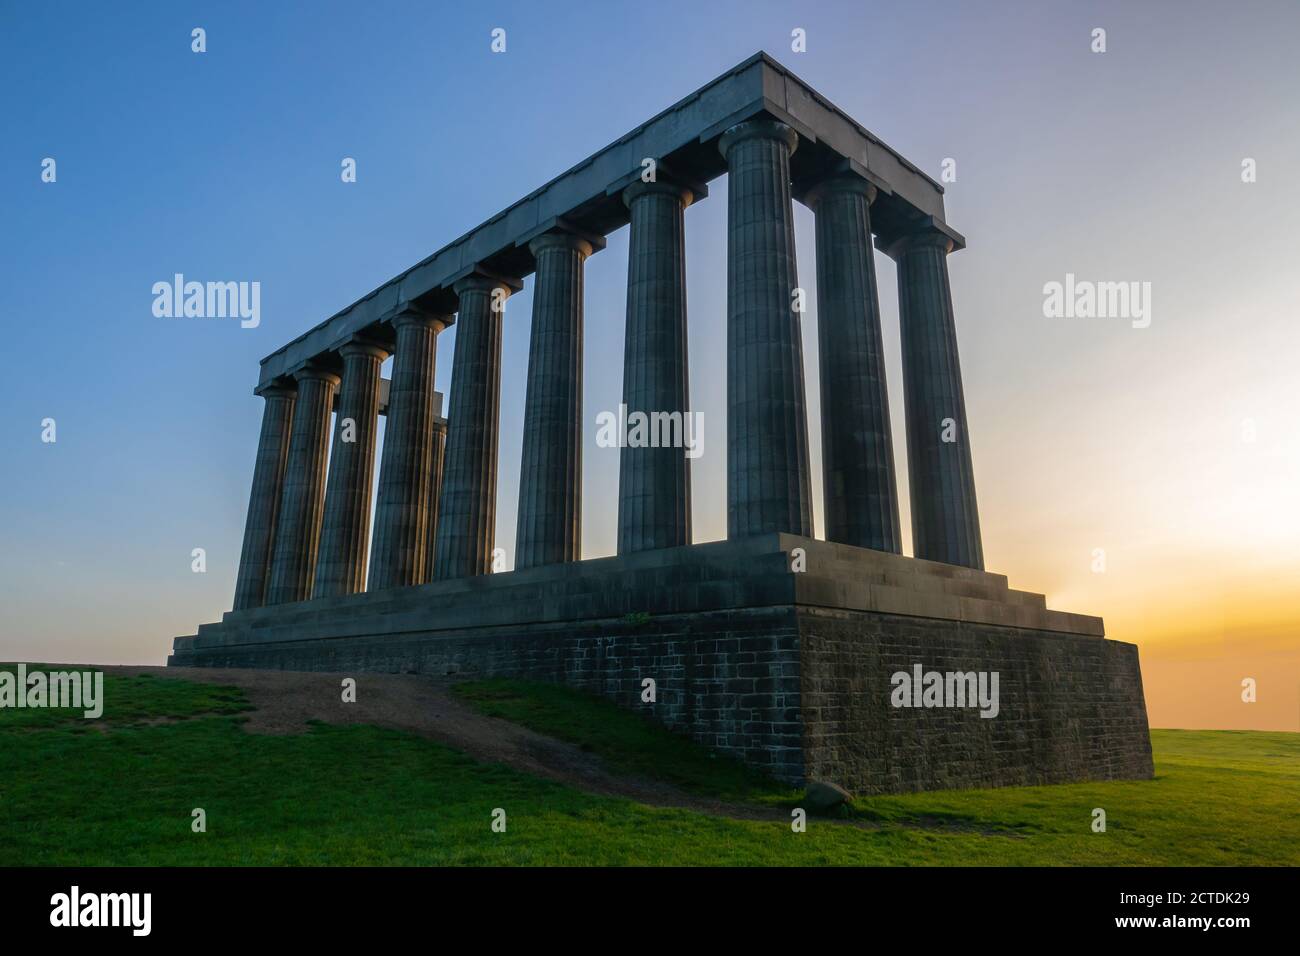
x: 550, y: 480
x: 345, y: 530
x: 264, y: 499
x: 767, y: 424
x: 437, y: 458
x: 467, y: 513
x: 654, y: 483
x: 857, y: 447
x: 297, y: 530
x: 945, y: 519
x: 401, y: 513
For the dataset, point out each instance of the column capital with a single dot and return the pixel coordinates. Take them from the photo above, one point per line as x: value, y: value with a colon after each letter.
x: 838, y: 183
x: 758, y: 129
x: 560, y: 239
x: 660, y: 186
x: 559, y: 226
x: 316, y: 373
x: 663, y: 173
x: 411, y: 315
x: 280, y: 388
x: 928, y: 232
x: 480, y: 282
x: 359, y: 346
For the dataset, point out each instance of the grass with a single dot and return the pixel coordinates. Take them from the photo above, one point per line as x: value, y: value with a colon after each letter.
x: 128, y: 700
x: 625, y: 743
x: 365, y: 795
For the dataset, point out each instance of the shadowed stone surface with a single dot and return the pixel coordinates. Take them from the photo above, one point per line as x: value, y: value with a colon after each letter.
x: 345, y: 529
x: 467, y: 515
x: 945, y: 519
x: 1070, y: 708
x: 767, y: 423
x: 550, y: 477
x: 264, y: 499
x: 654, y: 484
x: 401, y: 515
x: 297, y: 530
x: 857, y: 447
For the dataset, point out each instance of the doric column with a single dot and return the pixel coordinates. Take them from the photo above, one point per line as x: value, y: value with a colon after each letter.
x: 767, y: 423
x: 945, y: 520
x: 550, y: 479
x: 345, y: 531
x: 654, y: 483
x: 437, y: 457
x: 467, y: 513
x: 264, y: 499
x: 401, y: 515
x: 857, y: 448
x: 297, y: 529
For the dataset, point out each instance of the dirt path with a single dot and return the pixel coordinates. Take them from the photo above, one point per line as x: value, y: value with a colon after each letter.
x: 285, y: 701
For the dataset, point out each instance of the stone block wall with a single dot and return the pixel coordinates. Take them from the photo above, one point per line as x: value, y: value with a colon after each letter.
x: 1071, y: 708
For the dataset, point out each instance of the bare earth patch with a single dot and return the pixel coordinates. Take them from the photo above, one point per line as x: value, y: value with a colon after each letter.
x: 284, y: 702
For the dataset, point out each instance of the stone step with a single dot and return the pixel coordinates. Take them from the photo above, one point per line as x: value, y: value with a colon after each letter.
x: 562, y: 582
x: 896, y: 570
x: 667, y: 592
x: 852, y: 595
x: 572, y: 575
x: 988, y: 587
x: 753, y: 572
x: 673, y: 597
x: 655, y: 594
x: 831, y: 550
x: 731, y: 556
x: 706, y: 579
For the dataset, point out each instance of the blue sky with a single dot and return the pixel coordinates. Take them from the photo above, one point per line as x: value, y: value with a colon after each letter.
x: 225, y: 166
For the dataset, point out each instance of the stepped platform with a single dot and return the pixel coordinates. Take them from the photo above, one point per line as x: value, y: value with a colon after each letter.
x: 780, y: 650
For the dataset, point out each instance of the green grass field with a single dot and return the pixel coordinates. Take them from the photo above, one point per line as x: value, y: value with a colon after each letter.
x: 120, y: 790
